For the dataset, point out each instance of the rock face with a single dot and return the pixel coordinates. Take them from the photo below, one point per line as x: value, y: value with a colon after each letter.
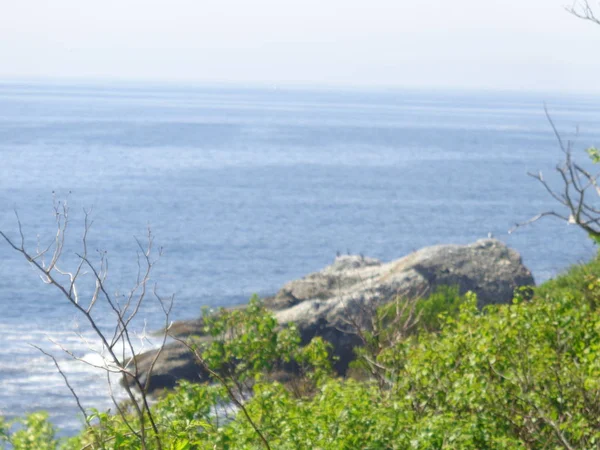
x: 175, y: 362
x: 487, y: 267
x: 322, y: 303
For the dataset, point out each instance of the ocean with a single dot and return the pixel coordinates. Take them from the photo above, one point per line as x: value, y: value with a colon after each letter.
x: 247, y: 188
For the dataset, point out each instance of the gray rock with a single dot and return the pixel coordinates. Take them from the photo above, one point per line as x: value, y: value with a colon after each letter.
x: 343, y: 273
x: 330, y: 302
x: 175, y: 362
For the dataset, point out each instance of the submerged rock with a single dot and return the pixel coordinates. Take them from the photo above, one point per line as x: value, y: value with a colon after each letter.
x: 330, y: 302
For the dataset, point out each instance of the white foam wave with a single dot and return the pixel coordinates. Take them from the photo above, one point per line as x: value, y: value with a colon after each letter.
x: 31, y: 381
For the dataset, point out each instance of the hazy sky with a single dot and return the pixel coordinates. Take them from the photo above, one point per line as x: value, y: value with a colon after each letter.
x: 506, y: 44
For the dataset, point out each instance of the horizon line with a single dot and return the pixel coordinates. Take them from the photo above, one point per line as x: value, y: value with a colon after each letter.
x: 283, y: 85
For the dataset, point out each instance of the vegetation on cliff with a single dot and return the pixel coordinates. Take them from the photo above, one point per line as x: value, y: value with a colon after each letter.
x: 525, y: 375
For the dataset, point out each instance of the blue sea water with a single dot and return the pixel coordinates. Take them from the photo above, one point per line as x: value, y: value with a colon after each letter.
x: 246, y: 189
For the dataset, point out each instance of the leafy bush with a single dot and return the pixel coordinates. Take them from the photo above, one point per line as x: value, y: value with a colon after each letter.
x: 444, y: 302
x: 429, y: 311
x: 579, y: 280
x: 33, y: 432
x: 520, y: 376
x: 245, y: 343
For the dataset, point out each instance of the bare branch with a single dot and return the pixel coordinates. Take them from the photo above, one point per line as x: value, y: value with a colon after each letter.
x: 576, y: 184
x: 62, y: 374
x: 535, y: 219
x: 583, y: 10
x: 112, y: 362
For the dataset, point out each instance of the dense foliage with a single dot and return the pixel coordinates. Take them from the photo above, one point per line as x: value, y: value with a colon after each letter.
x: 520, y: 376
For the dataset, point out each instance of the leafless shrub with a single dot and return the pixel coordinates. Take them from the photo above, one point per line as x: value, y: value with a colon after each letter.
x: 118, y: 342
x: 578, y: 190
x: 583, y: 10
x: 578, y: 184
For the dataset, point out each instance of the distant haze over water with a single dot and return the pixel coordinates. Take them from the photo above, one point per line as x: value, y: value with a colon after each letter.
x: 249, y: 188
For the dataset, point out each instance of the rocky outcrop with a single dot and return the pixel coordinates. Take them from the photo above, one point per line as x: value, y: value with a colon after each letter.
x: 322, y: 303
x: 175, y: 362
x: 326, y: 302
x: 487, y: 267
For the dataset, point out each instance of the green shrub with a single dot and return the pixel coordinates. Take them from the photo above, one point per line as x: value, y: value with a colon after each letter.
x: 444, y: 302
x: 34, y: 432
x: 519, y: 376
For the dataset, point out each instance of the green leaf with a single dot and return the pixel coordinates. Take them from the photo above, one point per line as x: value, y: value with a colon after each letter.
x: 594, y: 154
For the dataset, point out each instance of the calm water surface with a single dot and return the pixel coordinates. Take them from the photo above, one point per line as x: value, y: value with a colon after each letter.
x: 246, y: 189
